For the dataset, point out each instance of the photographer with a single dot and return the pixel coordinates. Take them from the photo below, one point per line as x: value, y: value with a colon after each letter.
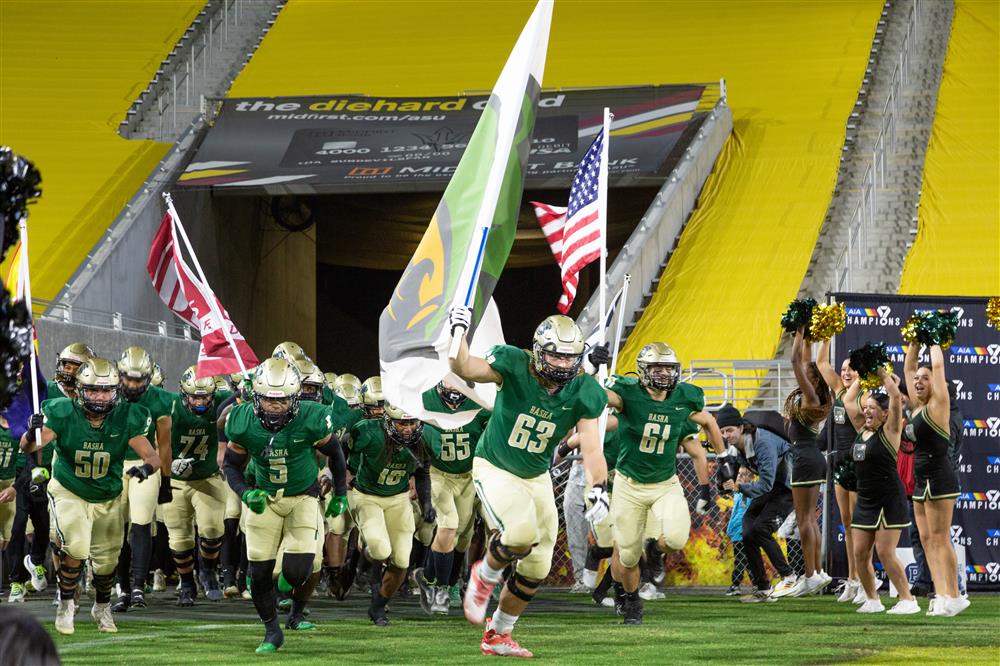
x: 765, y: 453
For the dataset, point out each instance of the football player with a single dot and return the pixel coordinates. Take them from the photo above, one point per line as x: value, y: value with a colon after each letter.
x: 543, y: 395
x: 653, y: 418
x: 156, y: 379
x: 372, y: 398
x: 386, y: 453
x: 452, y: 491
x: 135, y: 370
x: 92, y: 434
x: 9, y: 450
x: 68, y: 361
x: 348, y: 387
x: 280, y: 435
x: 289, y: 350
x: 199, y: 491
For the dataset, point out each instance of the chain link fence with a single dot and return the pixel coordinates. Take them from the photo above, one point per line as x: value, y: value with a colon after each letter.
x: 707, y: 559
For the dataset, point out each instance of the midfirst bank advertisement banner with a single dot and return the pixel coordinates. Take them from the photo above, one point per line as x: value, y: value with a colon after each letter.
x: 345, y: 143
x: 972, y: 364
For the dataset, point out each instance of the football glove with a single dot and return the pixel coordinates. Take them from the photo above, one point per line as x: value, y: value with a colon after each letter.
x: 600, y: 355
x: 599, y: 503
x: 459, y: 317
x: 255, y: 499
x: 39, y: 475
x: 704, y: 500
x: 165, y: 494
x: 141, y: 472
x: 35, y: 421
x: 182, y: 467
x: 336, y: 506
x: 428, y: 512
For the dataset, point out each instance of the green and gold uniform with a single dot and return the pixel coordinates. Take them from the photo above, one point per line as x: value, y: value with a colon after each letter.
x: 380, y: 498
x: 87, y: 477
x: 646, y: 470
x: 285, y: 467
x: 9, y: 457
x: 452, y: 491
x: 202, y: 495
x: 510, y: 472
x: 139, y: 500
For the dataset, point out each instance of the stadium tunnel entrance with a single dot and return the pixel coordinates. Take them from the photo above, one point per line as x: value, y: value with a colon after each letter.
x: 319, y: 269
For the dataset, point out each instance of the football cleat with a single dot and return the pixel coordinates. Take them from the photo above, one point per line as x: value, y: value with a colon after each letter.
x: 632, y: 608
x: 442, y: 600
x: 378, y: 616
x: 477, y: 595
x: 231, y: 592
x: 16, y: 594
x: 102, y: 615
x: 428, y: 592
x: 138, y: 599
x: 185, y: 597
x: 501, y: 645
x: 733, y: 591
x: 123, y: 603
x: 64, y: 617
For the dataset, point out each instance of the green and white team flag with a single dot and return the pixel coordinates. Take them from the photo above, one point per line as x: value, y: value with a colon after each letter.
x: 465, y: 247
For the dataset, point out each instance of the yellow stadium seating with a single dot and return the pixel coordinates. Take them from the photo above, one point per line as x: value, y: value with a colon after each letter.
x: 793, y: 71
x: 957, y: 249
x: 68, y: 73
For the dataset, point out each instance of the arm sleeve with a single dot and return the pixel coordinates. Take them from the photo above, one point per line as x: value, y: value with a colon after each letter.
x: 338, y: 465
x: 422, y: 480
x: 233, y: 465
x: 767, y: 465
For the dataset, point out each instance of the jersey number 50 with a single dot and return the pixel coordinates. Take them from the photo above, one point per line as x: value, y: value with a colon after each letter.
x: 88, y: 467
x: 531, y: 434
x: 654, y: 440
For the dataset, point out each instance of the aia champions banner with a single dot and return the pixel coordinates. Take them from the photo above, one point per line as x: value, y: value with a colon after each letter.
x: 973, y: 366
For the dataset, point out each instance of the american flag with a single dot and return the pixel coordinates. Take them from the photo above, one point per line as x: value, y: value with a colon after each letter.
x: 574, y: 233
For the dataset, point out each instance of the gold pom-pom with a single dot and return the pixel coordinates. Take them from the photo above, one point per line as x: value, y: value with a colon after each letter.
x: 909, y: 330
x: 993, y: 312
x: 827, y: 321
x: 872, y: 381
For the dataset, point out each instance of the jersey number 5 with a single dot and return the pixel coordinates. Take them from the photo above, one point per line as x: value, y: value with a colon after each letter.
x: 654, y: 440
x: 531, y: 434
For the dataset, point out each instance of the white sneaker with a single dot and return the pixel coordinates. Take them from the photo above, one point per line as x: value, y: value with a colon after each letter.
x: 64, y: 617
x: 608, y: 602
x: 783, y: 588
x: 816, y: 582
x: 589, y: 579
x: 102, y: 615
x: 247, y: 595
x: 16, y: 594
x: 907, y: 607
x: 871, y: 606
x: 953, y: 606
x: 159, y: 581
x: 860, y: 597
x: 580, y: 587
x: 37, y: 573
x: 807, y: 585
x: 850, y: 590
x: 827, y: 578
x: 649, y: 592
x: 932, y: 607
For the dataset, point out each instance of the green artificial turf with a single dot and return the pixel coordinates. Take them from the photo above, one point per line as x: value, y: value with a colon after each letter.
x: 559, y: 628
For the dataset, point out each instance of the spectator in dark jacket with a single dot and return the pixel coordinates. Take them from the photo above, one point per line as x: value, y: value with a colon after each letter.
x: 764, y: 453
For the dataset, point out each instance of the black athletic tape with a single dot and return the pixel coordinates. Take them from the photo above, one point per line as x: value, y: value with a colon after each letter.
x: 211, y: 545
x: 530, y: 583
x: 514, y: 589
x: 504, y: 553
x: 103, y: 582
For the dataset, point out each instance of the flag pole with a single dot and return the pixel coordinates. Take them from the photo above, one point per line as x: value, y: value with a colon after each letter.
x: 210, y: 297
x: 25, y: 287
x: 602, y: 214
x: 621, y: 320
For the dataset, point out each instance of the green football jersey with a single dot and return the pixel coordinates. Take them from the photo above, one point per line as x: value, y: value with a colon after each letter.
x: 53, y: 390
x: 160, y: 404
x: 328, y: 397
x: 10, y: 449
x: 344, y: 417
x: 90, y: 460
x: 196, y: 437
x: 286, y: 460
x: 527, y: 421
x: 221, y: 395
x: 650, y: 430
x: 611, y: 449
x: 451, y: 451
x: 375, y: 472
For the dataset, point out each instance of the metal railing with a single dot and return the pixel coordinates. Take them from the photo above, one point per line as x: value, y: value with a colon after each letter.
x: 115, y: 321
x: 188, y: 65
x: 863, y: 219
x: 743, y: 383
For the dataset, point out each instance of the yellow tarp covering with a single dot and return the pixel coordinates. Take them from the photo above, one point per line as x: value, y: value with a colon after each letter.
x: 957, y: 249
x: 793, y: 70
x: 68, y: 73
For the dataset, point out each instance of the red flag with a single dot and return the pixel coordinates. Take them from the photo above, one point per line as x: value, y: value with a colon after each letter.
x: 574, y: 233
x: 191, y: 300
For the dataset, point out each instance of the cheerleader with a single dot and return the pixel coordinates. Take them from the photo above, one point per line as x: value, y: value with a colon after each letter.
x: 936, y: 482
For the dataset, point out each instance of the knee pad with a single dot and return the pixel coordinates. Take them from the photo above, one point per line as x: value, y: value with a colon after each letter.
x: 504, y: 553
x: 671, y: 543
x: 297, y: 567
x: 210, y: 548
x: 521, y: 587
x: 629, y: 556
x: 261, y: 576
